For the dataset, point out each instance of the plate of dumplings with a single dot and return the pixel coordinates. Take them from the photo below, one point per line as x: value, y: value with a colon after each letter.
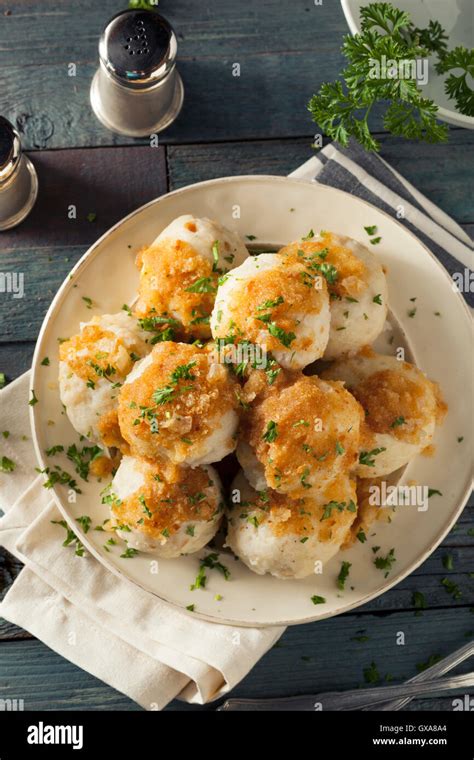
x: 249, y: 398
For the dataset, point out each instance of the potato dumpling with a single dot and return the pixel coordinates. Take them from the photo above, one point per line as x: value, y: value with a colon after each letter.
x: 179, y: 273
x: 299, y: 435
x: 161, y: 515
x: 357, y: 288
x: 402, y: 408
x: 92, y: 366
x: 269, y: 301
x: 180, y: 403
x: 272, y: 533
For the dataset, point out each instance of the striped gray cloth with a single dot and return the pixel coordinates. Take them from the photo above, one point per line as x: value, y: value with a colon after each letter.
x: 369, y: 177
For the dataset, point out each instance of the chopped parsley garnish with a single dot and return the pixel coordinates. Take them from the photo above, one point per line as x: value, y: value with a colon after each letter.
x: 129, y: 553
x: 377, y: 299
x: 271, y: 303
x: 71, y: 538
x: 339, y: 448
x: 271, y: 432
x: 398, y: 421
x: 211, y: 562
x: 215, y: 255
x: 309, y: 236
x: 433, y: 492
x: 82, y: 458
x: 191, y: 607
x: 85, y: 522
x: 58, y: 476
x: 286, y: 338
x: 418, y: 600
x: 385, y: 563
x: 432, y: 660
x: 361, y: 537
x: 367, y: 457
x: 411, y: 313
x: 87, y: 301
x: 45, y: 362
x: 318, y: 599
x: 127, y: 309
x: 33, y: 400
x: 190, y: 530
x: 376, y: 240
x: 371, y: 230
x: 343, y: 575
x: 451, y: 588
x: 448, y: 562
x: 142, y: 501
x: 339, y: 505
x: 7, y: 465
x: 303, y: 477
x: 3, y: 380
x: 202, y: 285
x: 371, y: 673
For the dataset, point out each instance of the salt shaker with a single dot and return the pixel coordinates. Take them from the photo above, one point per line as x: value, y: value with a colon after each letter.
x: 137, y: 90
x: 18, y: 180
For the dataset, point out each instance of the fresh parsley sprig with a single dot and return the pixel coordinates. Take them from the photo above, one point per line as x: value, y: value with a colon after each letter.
x: 342, y: 108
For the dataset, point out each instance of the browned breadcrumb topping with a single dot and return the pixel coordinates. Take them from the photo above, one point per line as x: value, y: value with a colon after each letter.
x: 109, y: 431
x: 397, y: 404
x: 281, y: 297
x: 167, y: 271
x: 367, y: 512
x: 175, y: 400
x: 96, y: 352
x: 351, y: 271
x: 303, y: 516
x: 103, y: 465
x: 160, y: 507
x: 308, y: 443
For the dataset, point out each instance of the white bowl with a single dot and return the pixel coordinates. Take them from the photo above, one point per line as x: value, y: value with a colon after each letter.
x: 456, y: 17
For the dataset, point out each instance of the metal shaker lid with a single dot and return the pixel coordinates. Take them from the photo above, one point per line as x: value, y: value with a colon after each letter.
x: 10, y: 149
x: 138, y: 48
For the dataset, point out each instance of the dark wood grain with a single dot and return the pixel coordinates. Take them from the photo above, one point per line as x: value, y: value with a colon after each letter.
x: 441, y: 172
x: 308, y: 659
x: 283, y: 56
x: 103, y: 183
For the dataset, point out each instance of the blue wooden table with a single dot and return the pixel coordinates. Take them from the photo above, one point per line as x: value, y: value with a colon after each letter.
x: 257, y: 123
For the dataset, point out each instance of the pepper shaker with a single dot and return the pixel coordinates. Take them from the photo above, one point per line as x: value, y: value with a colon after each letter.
x: 137, y: 90
x: 18, y: 180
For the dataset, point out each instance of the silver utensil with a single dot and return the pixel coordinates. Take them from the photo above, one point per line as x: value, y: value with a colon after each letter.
x: 438, y: 669
x: 354, y: 699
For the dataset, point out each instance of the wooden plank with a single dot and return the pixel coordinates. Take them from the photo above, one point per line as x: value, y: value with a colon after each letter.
x: 302, y: 662
x: 84, y: 192
x: 283, y: 58
x: 15, y: 358
x: 62, y: 31
x: 441, y: 172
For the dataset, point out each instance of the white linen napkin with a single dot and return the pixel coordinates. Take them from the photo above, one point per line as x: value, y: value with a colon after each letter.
x: 75, y: 605
x: 156, y: 652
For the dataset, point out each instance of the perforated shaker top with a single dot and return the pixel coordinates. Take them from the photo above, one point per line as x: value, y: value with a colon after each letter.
x: 138, y: 47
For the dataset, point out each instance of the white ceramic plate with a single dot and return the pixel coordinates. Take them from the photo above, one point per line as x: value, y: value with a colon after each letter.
x: 276, y: 210
x: 456, y: 17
